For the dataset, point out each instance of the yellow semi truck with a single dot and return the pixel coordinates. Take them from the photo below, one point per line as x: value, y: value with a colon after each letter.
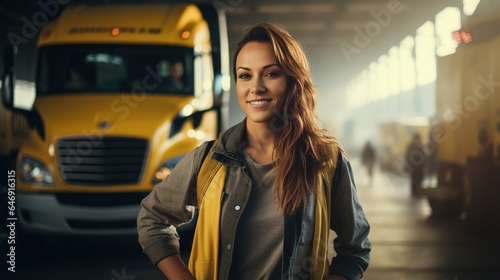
x: 467, y: 132
x: 123, y: 91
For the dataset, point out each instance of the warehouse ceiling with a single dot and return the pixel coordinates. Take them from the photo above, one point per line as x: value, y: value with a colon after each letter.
x: 344, y: 35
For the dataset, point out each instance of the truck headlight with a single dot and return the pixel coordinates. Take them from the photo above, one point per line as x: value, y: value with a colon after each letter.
x: 165, y: 169
x: 34, y: 171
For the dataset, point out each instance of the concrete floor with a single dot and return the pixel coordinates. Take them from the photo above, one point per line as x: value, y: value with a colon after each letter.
x: 408, y: 244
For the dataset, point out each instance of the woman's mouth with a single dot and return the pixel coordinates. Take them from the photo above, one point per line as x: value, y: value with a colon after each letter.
x: 259, y: 102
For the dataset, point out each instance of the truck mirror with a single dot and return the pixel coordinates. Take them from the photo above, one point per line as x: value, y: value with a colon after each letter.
x: 197, y: 116
x: 8, y: 77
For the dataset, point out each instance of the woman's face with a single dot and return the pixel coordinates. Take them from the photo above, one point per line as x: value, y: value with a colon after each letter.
x: 260, y: 83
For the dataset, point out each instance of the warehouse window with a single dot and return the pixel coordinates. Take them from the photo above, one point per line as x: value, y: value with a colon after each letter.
x: 383, y: 77
x: 447, y: 22
x: 393, y: 71
x: 425, y: 54
x: 374, y: 82
x: 407, y: 63
x: 470, y: 6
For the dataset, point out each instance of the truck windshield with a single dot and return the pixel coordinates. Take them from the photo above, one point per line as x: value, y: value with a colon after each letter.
x: 115, y: 68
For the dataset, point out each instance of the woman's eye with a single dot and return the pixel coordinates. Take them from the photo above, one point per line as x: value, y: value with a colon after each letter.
x: 272, y: 74
x: 243, y: 76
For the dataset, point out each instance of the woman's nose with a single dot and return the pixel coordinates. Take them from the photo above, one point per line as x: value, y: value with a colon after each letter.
x: 258, y: 87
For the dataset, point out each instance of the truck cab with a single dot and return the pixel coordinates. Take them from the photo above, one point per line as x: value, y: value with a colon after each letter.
x: 123, y: 92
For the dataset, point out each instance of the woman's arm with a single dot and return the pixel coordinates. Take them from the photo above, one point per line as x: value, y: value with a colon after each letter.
x: 174, y: 268
x: 350, y: 224
x: 165, y: 208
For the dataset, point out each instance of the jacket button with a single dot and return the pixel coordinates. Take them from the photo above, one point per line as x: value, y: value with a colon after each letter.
x: 237, y: 207
x: 228, y: 246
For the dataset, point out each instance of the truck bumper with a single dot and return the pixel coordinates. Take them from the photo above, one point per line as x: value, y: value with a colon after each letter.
x: 45, y: 214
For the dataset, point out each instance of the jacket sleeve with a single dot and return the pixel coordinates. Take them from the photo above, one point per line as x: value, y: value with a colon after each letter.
x: 167, y: 206
x: 350, y: 224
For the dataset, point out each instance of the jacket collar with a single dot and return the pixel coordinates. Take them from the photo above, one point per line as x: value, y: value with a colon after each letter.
x: 231, y: 144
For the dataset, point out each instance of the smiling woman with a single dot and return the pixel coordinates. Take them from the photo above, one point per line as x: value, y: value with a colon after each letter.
x: 260, y: 85
x: 278, y: 175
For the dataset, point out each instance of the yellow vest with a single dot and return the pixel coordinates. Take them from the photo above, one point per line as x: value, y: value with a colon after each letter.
x: 203, y: 261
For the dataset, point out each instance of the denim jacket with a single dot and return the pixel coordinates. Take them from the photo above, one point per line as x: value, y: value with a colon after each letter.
x: 165, y: 208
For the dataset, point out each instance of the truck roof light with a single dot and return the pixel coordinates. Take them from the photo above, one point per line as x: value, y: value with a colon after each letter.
x: 115, y: 31
x: 185, y: 34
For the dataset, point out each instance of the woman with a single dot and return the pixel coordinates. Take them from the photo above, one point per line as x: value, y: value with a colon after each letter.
x: 286, y: 183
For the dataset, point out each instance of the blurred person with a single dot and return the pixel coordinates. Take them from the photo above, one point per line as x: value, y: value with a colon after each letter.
x: 287, y: 183
x: 81, y: 77
x: 431, y: 150
x: 368, y: 158
x: 416, y: 158
x: 173, y: 82
x: 486, y: 151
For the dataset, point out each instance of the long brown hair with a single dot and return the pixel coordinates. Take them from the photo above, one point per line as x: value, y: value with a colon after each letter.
x: 303, y: 148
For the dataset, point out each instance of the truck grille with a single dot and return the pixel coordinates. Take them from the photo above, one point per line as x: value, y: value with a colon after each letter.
x: 101, y: 161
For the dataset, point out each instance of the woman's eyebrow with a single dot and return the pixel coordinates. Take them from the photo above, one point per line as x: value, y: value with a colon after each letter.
x: 270, y: 65
x: 264, y: 67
